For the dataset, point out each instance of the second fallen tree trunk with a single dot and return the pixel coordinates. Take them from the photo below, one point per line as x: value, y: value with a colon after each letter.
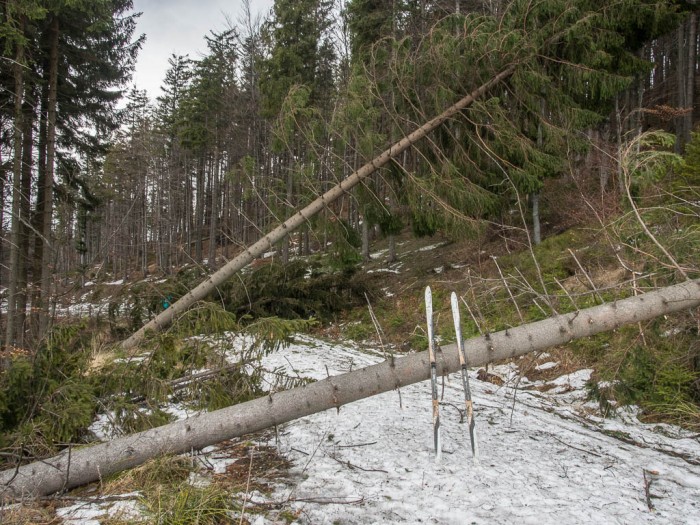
x: 74, y: 467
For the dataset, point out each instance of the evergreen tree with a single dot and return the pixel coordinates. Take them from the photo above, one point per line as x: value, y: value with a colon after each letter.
x: 73, y: 56
x: 509, y: 144
x: 297, y: 87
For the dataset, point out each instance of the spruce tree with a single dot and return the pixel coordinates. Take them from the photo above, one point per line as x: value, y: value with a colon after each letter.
x: 297, y: 86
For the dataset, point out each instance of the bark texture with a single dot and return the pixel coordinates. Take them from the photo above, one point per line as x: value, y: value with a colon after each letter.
x: 74, y: 467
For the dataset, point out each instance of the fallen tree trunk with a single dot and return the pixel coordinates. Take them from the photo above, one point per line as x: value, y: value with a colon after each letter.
x: 74, y: 467
x: 206, y: 287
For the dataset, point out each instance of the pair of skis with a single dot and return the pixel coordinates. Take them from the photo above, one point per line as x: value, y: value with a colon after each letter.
x: 433, y: 374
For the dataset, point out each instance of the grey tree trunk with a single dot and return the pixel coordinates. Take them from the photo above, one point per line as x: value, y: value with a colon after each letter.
x: 295, y: 221
x: 76, y: 467
x: 18, y: 73
x: 47, y: 255
x: 691, y: 64
x: 536, y: 228
x: 365, y: 239
x: 392, y: 257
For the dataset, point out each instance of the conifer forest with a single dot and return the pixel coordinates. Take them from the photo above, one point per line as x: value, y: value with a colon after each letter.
x: 307, y: 176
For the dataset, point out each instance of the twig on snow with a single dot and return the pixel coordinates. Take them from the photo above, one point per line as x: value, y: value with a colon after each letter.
x: 576, y: 448
x: 353, y: 467
x: 647, y: 486
x: 358, y: 445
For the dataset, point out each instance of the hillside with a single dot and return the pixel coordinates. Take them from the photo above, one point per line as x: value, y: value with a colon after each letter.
x: 546, y: 455
x: 275, y: 217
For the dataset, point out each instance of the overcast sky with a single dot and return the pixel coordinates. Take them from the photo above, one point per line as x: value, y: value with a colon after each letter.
x: 179, y: 26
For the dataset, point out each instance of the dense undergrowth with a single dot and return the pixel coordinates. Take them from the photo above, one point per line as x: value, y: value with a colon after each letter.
x: 49, y: 399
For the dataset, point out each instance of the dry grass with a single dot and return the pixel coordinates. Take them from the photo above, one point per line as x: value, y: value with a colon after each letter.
x: 29, y: 514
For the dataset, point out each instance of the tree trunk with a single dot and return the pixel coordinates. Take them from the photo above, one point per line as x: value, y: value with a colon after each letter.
x: 72, y: 468
x: 690, y: 64
x: 3, y: 182
x: 536, y: 229
x: 365, y: 239
x: 38, y: 216
x: 198, y: 226
x: 18, y: 73
x: 301, y: 217
x: 391, y: 257
x: 214, y: 209
x: 48, y: 183
x: 679, y: 121
x: 24, y: 216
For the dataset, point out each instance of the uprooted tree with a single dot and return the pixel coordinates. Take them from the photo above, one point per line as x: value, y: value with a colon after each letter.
x: 78, y: 466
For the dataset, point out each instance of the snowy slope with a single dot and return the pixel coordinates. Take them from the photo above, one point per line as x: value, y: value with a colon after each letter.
x: 545, y: 457
x: 541, y: 460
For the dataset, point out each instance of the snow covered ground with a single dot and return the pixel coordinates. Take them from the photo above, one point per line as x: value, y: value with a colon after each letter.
x: 544, y: 457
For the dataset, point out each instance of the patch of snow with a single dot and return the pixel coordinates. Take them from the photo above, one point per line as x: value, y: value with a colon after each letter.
x: 129, y: 509
x: 673, y: 331
x: 179, y: 411
x: 576, y: 380
x: 384, y: 270
x: 81, y: 514
x: 84, y: 309
x: 439, y: 269
x: 545, y: 457
x: 547, y: 366
x: 213, y: 461
x: 540, y: 461
x: 115, y: 283
x: 432, y: 247
x: 92, y: 512
x: 131, y: 359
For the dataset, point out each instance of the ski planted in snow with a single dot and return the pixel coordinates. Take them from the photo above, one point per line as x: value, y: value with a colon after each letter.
x: 465, y: 375
x: 433, y: 373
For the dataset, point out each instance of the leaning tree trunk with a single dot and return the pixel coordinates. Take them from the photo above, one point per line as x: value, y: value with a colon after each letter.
x: 268, y: 241
x: 76, y: 467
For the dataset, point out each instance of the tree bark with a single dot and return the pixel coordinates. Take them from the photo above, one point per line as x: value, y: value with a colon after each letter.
x: 365, y: 239
x: 18, y: 73
x: 690, y: 64
x: 536, y: 228
x: 72, y: 468
x: 47, y: 254
x: 280, y: 232
x: 24, y: 216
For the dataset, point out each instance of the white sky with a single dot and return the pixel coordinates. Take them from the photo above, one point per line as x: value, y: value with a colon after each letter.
x: 179, y: 26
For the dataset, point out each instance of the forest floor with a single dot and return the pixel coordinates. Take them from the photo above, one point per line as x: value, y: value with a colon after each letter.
x: 546, y: 454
